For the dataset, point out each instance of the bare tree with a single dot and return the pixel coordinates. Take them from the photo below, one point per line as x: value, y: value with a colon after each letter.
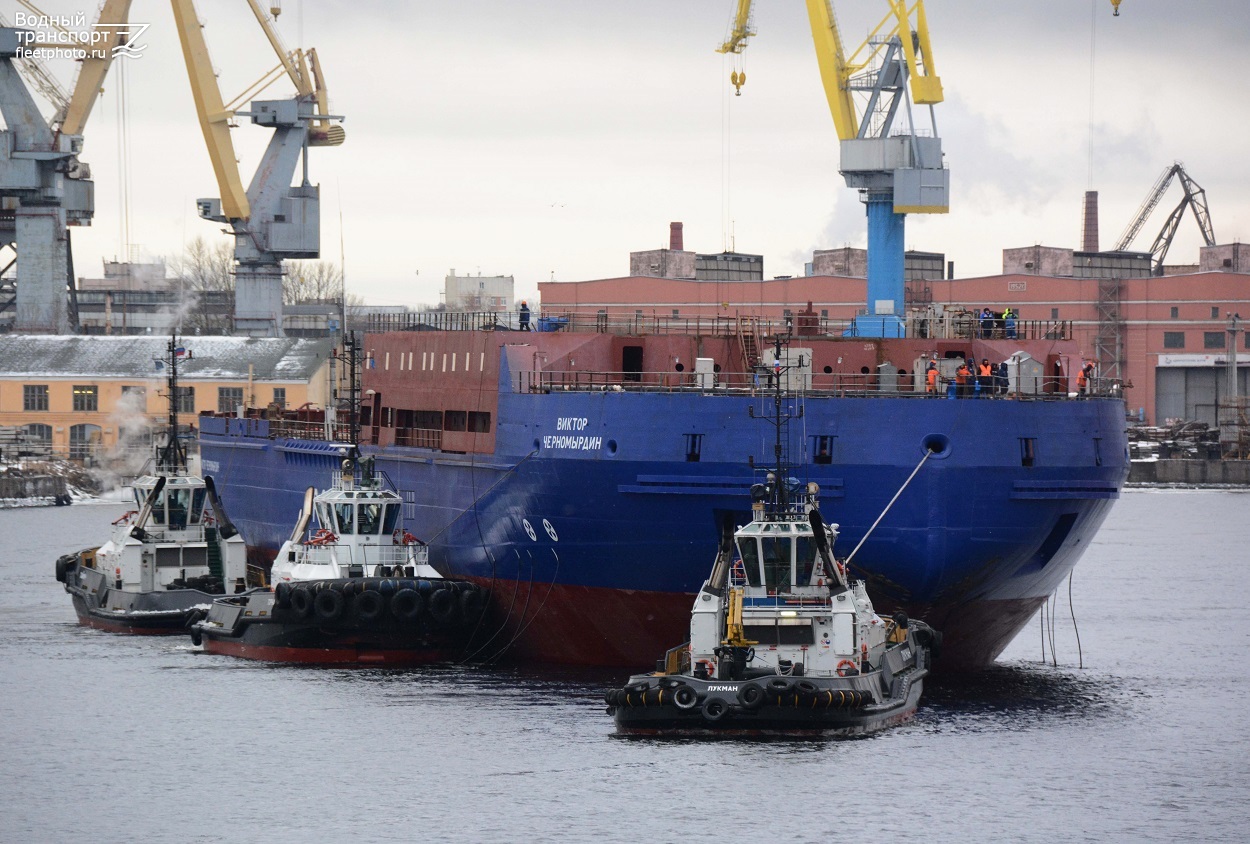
x: 306, y: 282
x: 205, y: 274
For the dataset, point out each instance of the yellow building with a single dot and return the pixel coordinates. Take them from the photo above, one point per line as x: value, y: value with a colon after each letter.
x: 89, y: 397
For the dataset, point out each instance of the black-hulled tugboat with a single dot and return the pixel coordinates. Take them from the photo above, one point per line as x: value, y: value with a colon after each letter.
x: 780, y: 640
x: 175, y: 552
x: 356, y: 588
x: 353, y: 587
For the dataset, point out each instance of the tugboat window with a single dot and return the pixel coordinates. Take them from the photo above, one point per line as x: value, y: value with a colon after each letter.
x: 179, y: 500
x: 776, y: 561
x: 344, y: 514
x: 804, y: 559
x: 197, y: 506
x: 750, y: 561
x: 391, y: 518
x: 370, y: 518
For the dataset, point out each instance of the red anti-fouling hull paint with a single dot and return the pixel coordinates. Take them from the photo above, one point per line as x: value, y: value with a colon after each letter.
x: 329, y: 656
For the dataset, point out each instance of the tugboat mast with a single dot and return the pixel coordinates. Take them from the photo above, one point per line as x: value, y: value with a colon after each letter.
x: 172, y: 458
x: 779, y: 493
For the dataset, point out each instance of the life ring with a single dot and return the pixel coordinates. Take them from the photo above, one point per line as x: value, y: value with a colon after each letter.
x: 685, y: 697
x: 443, y: 606
x: 328, y: 605
x: 751, y: 696
x: 407, y: 605
x: 708, y: 666
x: 323, y: 537
x: 369, y: 605
x: 847, y: 667
x: 301, y: 602
x: 714, y: 709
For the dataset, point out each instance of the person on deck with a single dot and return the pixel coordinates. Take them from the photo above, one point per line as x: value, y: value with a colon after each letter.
x: 525, y: 316
x: 931, y: 378
x: 985, y: 377
x: 962, y: 376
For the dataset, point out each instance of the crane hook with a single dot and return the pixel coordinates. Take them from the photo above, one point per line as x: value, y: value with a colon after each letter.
x: 738, y: 79
x: 1115, y: 7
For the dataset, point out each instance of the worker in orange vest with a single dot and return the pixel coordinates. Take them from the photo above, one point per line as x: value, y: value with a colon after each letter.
x: 931, y: 377
x: 961, y: 380
x: 985, y: 376
x: 1082, y: 378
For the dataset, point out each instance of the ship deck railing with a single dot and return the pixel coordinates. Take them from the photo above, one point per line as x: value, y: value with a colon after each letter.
x: 835, y: 385
x: 367, y: 555
x: 956, y: 325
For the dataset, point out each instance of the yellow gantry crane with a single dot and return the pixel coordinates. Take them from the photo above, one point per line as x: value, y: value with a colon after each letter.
x: 271, y: 220
x: 897, y: 168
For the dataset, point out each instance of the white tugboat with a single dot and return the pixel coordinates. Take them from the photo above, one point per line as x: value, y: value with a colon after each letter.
x: 781, y: 641
x: 175, y: 552
x: 356, y: 588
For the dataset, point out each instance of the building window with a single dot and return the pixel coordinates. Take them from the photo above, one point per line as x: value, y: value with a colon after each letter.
x: 1246, y: 343
x: 279, y: 396
x: 39, y: 434
x: 86, y: 397
x: 1215, y: 313
x: 228, y: 399
x: 675, y: 313
x: 186, y: 400
x: 1054, y: 313
x: 479, y: 421
x: 135, y: 398
x: 824, y: 313
x: 1176, y: 312
x: 35, y: 397
x: 83, y: 441
x: 1213, y: 339
x: 455, y: 420
x: 1174, y: 339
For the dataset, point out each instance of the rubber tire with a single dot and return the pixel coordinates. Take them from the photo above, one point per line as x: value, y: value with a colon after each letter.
x: 685, y: 697
x: 751, y: 696
x: 407, y: 605
x: 714, y: 709
x: 301, y: 602
x: 369, y: 606
x: 328, y: 605
x: 443, y: 606
x: 282, y: 595
x: 806, y: 688
x: 778, y: 686
x: 472, y: 604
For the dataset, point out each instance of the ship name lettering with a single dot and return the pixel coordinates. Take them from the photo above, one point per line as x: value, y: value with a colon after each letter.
x: 722, y: 688
x: 571, y: 423
x: 582, y: 443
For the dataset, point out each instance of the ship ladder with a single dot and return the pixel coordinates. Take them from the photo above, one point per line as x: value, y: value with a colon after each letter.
x: 215, y: 567
x: 748, y: 341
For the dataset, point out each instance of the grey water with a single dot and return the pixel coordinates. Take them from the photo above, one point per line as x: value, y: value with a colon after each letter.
x: 110, y: 738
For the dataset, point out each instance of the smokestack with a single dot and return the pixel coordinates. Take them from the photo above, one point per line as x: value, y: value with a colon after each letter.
x: 1089, y: 237
x: 674, y: 237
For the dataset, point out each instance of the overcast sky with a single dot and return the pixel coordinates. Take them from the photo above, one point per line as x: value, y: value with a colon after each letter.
x: 548, y: 139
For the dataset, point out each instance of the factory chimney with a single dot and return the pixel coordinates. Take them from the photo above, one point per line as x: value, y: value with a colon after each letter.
x: 674, y: 237
x: 1089, y: 235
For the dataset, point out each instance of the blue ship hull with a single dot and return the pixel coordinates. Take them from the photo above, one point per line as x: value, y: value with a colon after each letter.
x: 594, y: 528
